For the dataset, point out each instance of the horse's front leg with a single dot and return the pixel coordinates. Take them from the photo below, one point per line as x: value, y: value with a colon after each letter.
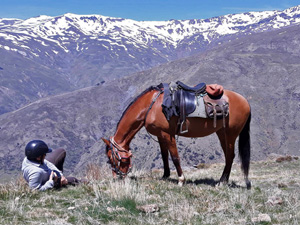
x: 168, y: 142
x: 165, y: 157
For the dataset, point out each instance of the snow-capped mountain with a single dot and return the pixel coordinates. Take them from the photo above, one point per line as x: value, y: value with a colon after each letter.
x: 108, y: 31
x: 256, y: 54
x: 50, y: 55
x: 263, y: 67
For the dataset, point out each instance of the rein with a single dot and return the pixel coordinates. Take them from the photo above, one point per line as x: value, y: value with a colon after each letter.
x: 117, y: 157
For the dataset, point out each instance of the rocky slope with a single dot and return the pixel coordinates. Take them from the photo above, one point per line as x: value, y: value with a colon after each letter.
x: 263, y: 67
x: 45, y: 55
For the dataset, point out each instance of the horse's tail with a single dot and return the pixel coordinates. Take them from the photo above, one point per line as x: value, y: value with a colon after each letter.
x: 244, y: 150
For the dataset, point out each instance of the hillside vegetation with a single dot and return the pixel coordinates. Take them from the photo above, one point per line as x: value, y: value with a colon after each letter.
x: 263, y: 67
x: 143, y: 198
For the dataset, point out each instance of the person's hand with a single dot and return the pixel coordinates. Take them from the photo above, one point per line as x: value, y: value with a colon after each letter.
x: 63, y: 181
x: 53, y: 176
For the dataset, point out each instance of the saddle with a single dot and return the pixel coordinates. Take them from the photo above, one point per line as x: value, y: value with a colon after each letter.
x: 183, y: 102
x: 198, y: 89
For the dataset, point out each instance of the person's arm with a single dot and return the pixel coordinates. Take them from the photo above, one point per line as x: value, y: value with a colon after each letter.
x: 50, y: 165
x: 35, y: 182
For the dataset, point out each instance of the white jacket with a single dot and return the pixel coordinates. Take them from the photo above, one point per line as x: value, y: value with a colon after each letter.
x: 37, y: 175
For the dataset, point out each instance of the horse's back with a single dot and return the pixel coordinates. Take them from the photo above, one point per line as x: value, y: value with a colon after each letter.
x: 239, y: 111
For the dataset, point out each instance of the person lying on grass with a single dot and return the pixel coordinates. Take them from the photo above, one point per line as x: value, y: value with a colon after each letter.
x: 42, y: 168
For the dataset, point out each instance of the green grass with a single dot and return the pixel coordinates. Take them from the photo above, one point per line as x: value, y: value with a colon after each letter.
x: 275, y: 192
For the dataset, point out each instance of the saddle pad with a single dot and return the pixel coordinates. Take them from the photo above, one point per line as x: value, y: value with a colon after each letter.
x: 200, y: 108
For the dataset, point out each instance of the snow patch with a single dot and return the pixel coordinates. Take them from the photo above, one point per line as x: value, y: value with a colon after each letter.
x: 118, y: 32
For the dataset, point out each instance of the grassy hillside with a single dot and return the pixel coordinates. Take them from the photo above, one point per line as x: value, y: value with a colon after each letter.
x: 263, y: 67
x: 143, y: 198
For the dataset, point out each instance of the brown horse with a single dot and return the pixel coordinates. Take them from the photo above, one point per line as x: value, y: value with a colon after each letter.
x: 146, y: 110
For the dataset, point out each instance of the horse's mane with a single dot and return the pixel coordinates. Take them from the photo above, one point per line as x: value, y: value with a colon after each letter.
x: 136, y: 98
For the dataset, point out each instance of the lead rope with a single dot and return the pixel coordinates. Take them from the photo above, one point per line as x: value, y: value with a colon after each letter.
x: 150, y: 107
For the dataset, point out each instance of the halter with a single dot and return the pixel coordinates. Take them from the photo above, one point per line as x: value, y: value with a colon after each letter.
x: 116, y: 156
x: 116, y: 148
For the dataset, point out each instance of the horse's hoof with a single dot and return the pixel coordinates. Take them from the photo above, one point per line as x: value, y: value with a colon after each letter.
x: 248, y: 183
x: 221, y: 184
x: 180, y: 183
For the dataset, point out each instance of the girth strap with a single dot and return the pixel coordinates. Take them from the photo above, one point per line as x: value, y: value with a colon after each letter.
x: 182, y: 112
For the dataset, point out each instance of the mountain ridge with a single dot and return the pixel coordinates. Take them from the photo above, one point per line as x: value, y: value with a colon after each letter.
x: 53, y: 55
x: 263, y: 67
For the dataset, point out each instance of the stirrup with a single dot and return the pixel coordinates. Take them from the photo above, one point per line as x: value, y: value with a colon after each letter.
x: 181, y: 126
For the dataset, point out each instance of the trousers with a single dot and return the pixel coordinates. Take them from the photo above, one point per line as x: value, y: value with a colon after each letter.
x: 57, y: 157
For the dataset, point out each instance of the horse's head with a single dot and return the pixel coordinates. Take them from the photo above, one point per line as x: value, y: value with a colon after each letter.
x: 119, y: 158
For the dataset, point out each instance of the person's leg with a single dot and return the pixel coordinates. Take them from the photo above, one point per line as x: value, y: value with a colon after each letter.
x: 72, y: 180
x: 57, y: 157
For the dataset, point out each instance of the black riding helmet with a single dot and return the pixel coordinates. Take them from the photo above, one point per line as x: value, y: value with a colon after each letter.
x: 36, y: 148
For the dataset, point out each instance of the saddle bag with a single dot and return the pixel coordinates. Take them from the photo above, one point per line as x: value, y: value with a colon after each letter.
x: 216, y: 108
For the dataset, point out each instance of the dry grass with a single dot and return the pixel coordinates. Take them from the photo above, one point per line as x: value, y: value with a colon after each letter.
x: 273, y: 199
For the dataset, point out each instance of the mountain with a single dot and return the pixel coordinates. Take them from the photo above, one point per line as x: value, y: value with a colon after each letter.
x: 264, y: 67
x: 45, y: 55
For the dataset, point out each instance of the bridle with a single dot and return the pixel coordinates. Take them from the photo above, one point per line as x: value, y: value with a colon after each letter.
x: 115, y: 156
x: 116, y: 149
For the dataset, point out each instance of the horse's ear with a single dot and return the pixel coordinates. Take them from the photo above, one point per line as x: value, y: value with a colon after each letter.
x: 106, y: 141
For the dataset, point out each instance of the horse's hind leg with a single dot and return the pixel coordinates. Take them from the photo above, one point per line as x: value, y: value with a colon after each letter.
x: 168, y: 142
x: 165, y: 157
x: 227, y: 144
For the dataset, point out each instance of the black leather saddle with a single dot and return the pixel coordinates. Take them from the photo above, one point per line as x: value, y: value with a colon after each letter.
x: 186, y: 102
x: 198, y: 89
